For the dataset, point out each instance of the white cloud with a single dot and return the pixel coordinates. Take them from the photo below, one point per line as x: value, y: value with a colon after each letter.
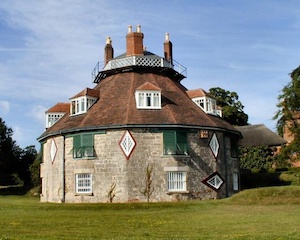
x: 37, y: 112
x: 4, y: 107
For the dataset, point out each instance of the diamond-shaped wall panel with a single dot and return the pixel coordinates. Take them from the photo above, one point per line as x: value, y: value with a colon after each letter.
x: 53, y: 150
x: 214, y: 145
x: 214, y: 181
x: 127, y: 144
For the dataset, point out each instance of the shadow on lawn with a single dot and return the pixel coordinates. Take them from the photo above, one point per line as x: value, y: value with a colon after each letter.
x: 13, y: 190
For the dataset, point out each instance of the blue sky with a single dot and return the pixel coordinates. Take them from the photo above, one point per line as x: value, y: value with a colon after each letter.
x: 48, y: 50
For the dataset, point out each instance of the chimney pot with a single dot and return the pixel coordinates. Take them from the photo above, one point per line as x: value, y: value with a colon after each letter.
x: 168, y: 48
x: 108, y: 40
x: 167, y: 37
x: 108, y: 51
x: 138, y: 28
x: 129, y: 29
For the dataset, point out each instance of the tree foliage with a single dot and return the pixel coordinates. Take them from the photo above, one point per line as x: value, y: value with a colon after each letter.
x: 231, y: 106
x: 288, y: 115
x: 14, y: 161
x: 259, y: 158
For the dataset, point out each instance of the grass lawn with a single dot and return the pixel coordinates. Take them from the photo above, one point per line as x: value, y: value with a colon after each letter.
x: 266, y: 213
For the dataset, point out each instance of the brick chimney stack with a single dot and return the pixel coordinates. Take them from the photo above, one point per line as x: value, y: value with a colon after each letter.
x: 134, y: 42
x: 168, y: 52
x: 108, y: 51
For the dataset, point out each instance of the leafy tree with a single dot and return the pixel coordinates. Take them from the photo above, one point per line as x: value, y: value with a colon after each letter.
x: 231, y: 106
x: 27, y: 157
x: 14, y: 162
x: 257, y: 158
x: 288, y: 115
x: 35, y: 170
x: 9, y: 151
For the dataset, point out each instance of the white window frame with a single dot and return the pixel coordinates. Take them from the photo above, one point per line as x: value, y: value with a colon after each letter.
x: 80, y: 105
x: 176, y: 179
x: 235, y: 181
x: 146, y: 99
x: 52, y: 118
x: 207, y: 104
x: 83, y: 183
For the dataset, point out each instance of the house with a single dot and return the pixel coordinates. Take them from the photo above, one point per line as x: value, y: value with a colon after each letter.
x: 138, y: 117
x: 259, y: 135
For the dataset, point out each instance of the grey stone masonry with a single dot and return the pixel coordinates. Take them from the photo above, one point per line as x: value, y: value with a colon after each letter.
x: 111, y: 171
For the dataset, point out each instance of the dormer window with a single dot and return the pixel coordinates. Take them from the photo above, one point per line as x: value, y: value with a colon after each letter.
x: 52, y: 118
x: 207, y: 104
x: 55, y: 113
x: 82, y: 104
x: 148, y: 96
x: 205, y: 101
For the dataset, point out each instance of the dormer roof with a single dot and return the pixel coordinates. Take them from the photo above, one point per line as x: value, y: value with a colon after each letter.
x: 198, y: 93
x: 59, y: 108
x: 148, y: 86
x: 87, y: 92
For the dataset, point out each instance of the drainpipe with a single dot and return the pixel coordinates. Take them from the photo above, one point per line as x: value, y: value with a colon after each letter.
x: 63, y: 199
x: 225, y: 164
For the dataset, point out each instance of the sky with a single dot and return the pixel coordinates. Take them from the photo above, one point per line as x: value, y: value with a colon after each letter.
x: 48, y: 50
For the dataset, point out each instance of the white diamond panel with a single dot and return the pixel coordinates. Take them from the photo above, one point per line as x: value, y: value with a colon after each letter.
x: 53, y: 150
x: 127, y: 144
x: 215, y: 181
x: 214, y: 145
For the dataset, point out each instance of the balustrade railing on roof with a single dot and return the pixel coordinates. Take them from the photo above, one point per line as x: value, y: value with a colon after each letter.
x: 144, y: 61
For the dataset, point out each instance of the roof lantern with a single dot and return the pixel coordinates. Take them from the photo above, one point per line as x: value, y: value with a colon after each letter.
x: 137, y: 58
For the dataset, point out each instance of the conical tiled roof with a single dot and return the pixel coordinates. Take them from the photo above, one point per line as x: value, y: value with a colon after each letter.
x: 116, y: 107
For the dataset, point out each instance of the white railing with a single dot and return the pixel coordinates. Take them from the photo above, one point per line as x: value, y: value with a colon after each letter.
x: 144, y: 61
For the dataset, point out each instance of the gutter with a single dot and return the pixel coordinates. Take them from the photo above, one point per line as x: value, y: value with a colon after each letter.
x: 126, y: 126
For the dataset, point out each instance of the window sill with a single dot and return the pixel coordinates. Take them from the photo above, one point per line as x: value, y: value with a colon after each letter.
x: 176, y: 155
x: 85, y: 158
x: 177, y: 192
x: 84, y: 194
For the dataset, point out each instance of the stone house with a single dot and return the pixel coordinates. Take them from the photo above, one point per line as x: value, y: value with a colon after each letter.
x: 98, y: 147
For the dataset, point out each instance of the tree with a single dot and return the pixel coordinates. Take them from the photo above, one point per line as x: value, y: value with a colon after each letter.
x: 27, y: 157
x: 9, y: 151
x: 288, y: 115
x: 257, y: 158
x: 231, y: 106
x: 35, y: 170
x: 14, y: 162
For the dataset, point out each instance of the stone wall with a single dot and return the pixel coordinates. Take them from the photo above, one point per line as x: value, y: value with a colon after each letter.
x: 110, y: 167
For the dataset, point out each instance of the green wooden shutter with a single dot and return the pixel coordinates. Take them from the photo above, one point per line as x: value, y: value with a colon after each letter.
x: 87, y: 143
x: 77, y: 146
x: 181, y: 142
x: 169, y: 142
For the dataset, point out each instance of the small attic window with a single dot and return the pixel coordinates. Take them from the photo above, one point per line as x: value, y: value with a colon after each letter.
x: 52, y: 118
x: 148, y: 96
x: 82, y: 104
x: 207, y: 104
x: 148, y: 99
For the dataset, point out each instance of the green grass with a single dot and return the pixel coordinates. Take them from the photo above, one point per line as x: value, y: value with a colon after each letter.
x: 266, y: 213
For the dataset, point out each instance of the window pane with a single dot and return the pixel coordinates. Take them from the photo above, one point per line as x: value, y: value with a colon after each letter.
x: 82, y: 105
x: 148, y: 99
x: 181, y: 143
x: 169, y: 142
x: 235, y: 181
x: 141, y: 100
x: 84, y: 183
x: 176, y: 181
x: 156, y: 100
